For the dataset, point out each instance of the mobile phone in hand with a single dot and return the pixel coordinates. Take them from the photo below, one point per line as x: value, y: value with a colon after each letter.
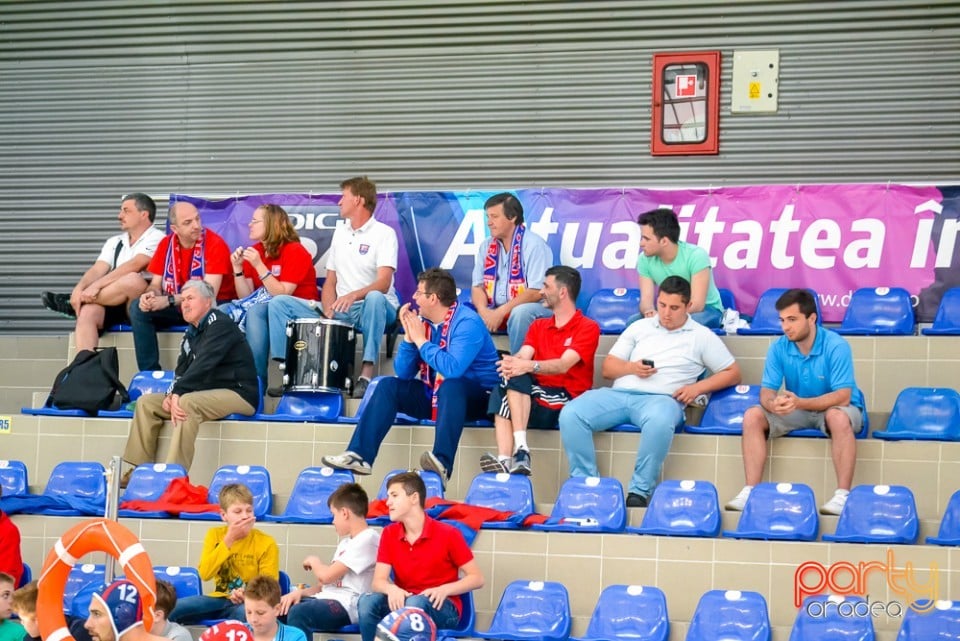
x: 647, y: 362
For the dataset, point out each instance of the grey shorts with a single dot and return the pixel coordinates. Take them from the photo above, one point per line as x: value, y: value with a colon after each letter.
x: 801, y: 419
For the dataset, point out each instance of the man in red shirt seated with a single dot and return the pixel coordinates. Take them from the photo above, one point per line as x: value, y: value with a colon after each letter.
x: 189, y: 252
x: 425, y: 557
x: 554, y: 366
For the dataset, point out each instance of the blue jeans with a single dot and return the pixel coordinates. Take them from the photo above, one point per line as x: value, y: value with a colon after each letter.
x: 194, y: 609
x: 373, y: 607
x: 371, y: 316
x: 317, y: 615
x: 144, y: 326
x: 258, y: 337
x: 519, y: 322
x: 458, y: 400
x: 598, y: 410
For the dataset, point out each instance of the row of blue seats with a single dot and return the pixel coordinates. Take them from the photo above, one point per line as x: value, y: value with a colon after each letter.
x: 530, y: 610
x: 919, y: 413
x: 774, y: 511
x: 880, y: 311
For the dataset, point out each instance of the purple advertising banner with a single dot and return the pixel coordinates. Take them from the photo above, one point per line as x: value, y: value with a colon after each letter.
x: 831, y: 238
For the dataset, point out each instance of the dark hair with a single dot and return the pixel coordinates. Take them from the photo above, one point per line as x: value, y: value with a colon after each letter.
x: 143, y: 203
x: 512, y: 209
x: 411, y: 483
x: 263, y: 588
x: 351, y: 496
x: 6, y: 578
x: 800, y: 297
x: 664, y: 223
x: 566, y: 277
x: 676, y: 285
x: 440, y: 282
x: 363, y: 187
x: 166, y: 597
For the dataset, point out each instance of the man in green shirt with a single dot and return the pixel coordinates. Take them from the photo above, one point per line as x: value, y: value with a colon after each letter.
x: 664, y: 254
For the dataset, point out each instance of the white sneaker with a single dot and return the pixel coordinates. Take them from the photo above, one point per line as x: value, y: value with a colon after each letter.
x: 736, y: 503
x: 347, y: 461
x: 835, y: 505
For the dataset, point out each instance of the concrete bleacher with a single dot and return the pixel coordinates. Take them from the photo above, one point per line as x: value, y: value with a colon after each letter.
x: 683, y: 568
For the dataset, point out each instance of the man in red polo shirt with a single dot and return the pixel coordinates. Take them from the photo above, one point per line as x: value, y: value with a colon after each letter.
x: 426, y: 558
x: 554, y: 366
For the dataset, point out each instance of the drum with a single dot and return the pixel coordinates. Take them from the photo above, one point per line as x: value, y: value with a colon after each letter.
x: 320, y: 354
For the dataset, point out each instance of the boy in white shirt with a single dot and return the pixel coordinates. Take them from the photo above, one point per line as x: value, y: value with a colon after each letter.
x: 332, y: 602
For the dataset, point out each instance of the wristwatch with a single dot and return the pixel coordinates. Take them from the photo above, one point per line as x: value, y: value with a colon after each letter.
x: 536, y: 367
x: 172, y: 300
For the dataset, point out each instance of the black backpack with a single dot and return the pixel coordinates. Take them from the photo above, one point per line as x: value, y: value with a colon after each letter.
x: 90, y: 383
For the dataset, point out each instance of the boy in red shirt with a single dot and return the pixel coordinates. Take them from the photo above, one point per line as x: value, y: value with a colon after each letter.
x: 426, y: 558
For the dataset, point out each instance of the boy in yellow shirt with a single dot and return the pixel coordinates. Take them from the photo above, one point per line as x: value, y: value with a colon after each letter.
x: 232, y: 555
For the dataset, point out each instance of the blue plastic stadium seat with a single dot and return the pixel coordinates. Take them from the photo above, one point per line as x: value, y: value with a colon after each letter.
x: 255, y: 477
x: 185, y: 580
x: 147, y: 483
x: 878, y: 514
x: 13, y: 478
x: 682, y: 508
x: 612, y: 307
x: 26, y: 576
x: 947, y: 320
x: 924, y: 414
x: 880, y: 311
x: 468, y: 618
x: 146, y: 382
x: 724, y: 412
x: 940, y: 623
x: 766, y: 318
x: 727, y: 299
x: 308, y: 500
x: 306, y: 407
x: 732, y: 615
x: 401, y: 419
x: 820, y: 619
x: 503, y: 492
x: 949, y: 533
x: 636, y: 612
x: 779, y: 511
x: 81, y: 576
x: 531, y: 611
x: 76, y: 479
x: 588, y: 504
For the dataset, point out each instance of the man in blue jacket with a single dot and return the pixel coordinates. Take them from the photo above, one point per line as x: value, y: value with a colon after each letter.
x: 446, y: 367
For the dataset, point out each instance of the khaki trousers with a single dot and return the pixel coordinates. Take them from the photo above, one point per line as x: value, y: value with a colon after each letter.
x: 149, y: 416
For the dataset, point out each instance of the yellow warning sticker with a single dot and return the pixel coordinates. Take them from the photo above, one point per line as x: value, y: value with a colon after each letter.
x: 754, y: 91
x: 5, y: 424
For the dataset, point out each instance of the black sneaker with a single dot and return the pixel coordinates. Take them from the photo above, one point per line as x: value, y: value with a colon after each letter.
x: 59, y: 303
x: 521, y: 463
x: 360, y: 387
x: 490, y: 463
x: 637, y: 500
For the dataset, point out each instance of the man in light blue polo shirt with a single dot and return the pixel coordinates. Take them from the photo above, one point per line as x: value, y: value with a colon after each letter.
x: 814, y: 368
x: 509, y: 270
x: 656, y: 366
x: 664, y: 254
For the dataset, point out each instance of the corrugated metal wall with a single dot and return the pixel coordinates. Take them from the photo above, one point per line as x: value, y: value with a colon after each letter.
x: 216, y: 98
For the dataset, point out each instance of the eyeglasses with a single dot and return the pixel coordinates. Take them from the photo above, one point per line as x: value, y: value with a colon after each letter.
x: 420, y: 292
x: 254, y: 221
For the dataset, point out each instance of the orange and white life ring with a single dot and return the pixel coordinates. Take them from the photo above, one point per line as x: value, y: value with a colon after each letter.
x: 95, y: 535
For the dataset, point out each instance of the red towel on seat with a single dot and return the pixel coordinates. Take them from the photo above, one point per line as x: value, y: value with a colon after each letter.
x: 180, y: 496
